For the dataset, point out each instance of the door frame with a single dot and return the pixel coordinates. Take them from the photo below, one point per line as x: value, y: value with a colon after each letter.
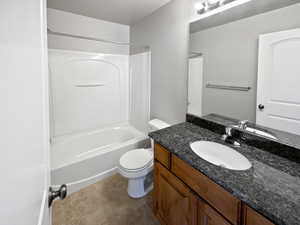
x: 45, y: 212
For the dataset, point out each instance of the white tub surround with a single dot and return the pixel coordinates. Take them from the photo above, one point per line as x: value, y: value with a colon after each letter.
x: 90, y: 102
x: 89, y: 90
x: 140, y: 89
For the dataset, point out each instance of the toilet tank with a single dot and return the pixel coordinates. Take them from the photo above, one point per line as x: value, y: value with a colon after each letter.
x: 157, y: 124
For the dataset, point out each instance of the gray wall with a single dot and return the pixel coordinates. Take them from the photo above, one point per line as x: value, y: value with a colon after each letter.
x: 230, y: 56
x: 166, y: 31
x: 61, y: 21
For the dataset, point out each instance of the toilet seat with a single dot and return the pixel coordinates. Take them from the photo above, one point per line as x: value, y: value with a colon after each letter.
x: 136, y: 160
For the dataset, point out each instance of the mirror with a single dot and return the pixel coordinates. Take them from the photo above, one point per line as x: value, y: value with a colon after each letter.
x: 244, y: 63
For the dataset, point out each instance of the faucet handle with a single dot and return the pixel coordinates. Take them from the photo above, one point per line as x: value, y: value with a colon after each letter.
x: 228, y: 131
x: 228, y: 137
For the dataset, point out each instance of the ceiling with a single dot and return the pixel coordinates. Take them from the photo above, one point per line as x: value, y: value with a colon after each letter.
x: 126, y: 12
x: 251, y: 8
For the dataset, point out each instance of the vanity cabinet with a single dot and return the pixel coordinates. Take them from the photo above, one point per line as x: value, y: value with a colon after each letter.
x: 225, y: 203
x: 162, y: 156
x: 185, y: 196
x: 175, y: 203
x: 208, y: 216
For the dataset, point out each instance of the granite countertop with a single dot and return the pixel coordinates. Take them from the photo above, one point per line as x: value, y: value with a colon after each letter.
x: 271, y: 186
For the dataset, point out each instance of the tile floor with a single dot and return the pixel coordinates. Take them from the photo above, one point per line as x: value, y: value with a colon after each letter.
x: 104, y: 203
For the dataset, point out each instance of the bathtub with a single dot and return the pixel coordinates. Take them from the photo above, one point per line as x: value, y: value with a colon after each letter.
x: 83, y: 159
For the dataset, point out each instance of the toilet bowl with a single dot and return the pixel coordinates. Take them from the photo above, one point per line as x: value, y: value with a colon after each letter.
x: 137, y: 166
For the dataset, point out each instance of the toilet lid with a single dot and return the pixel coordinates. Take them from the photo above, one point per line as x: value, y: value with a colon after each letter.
x: 136, y: 159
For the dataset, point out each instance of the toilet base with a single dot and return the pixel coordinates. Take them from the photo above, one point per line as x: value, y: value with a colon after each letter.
x: 136, y: 187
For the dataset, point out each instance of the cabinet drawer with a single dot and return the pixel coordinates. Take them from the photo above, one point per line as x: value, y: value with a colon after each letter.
x: 215, y: 195
x: 251, y: 217
x: 162, y: 155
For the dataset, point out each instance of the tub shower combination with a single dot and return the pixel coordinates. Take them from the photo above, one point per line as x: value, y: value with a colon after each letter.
x: 94, y: 118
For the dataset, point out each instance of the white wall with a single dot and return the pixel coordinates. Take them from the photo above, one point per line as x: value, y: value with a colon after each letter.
x: 24, y: 111
x: 61, y: 21
x: 166, y: 31
x: 230, y: 56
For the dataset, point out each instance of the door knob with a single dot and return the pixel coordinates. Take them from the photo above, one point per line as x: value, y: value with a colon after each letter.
x: 261, y: 107
x: 61, y: 193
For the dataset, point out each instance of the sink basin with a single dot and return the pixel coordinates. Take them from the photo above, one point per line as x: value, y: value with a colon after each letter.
x: 220, y: 155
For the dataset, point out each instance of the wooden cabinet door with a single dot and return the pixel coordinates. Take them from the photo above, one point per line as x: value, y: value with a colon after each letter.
x: 175, y: 204
x: 162, y: 155
x: 209, y: 216
x: 253, y: 218
x: 215, y: 195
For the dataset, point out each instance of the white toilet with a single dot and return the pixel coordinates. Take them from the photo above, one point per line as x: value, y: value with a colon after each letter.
x: 137, y: 166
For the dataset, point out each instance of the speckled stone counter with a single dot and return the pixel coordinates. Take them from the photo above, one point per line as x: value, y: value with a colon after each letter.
x: 271, y: 186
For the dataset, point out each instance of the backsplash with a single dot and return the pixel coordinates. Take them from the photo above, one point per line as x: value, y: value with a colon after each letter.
x: 287, y: 145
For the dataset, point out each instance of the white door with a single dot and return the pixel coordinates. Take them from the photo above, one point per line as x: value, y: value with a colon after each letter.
x: 24, y: 143
x: 195, y: 83
x: 278, y: 94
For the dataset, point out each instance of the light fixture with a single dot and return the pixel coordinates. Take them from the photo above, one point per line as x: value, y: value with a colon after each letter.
x: 213, y: 2
x: 199, y: 6
x: 212, y: 7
